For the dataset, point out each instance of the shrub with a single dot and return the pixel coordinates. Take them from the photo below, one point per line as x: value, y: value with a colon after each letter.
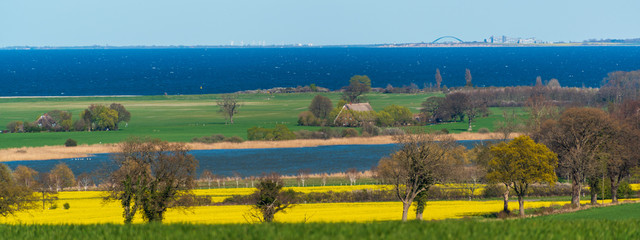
x: 80, y: 125
x: 306, y: 134
x: 444, y: 131
x: 369, y: 129
x: 349, y: 132
x: 330, y: 133
x: 392, y: 131
x: 234, y: 139
x: 493, y: 190
x: 70, y: 143
x: 15, y: 126
x: 280, y: 132
x: 307, y: 118
x: 321, y: 106
x: 53, y: 206
x: 209, y: 139
x: 66, y: 206
x: 483, y: 130
x: 258, y: 133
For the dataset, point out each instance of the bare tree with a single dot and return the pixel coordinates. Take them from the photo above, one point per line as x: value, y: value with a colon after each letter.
x: 151, y: 176
x: 237, y: 177
x: 420, y: 162
x: 324, y: 179
x: 352, y: 175
x: 84, y: 180
x: 208, y: 177
x: 470, y: 178
x: 508, y: 125
x: 467, y: 78
x: 438, y: 78
x: 270, y: 199
x: 302, y: 176
x: 476, y: 107
x: 228, y: 106
x: 621, y: 155
x: 578, y: 138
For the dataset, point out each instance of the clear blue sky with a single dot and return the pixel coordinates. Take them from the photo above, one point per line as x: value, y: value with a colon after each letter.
x: 320, y: 22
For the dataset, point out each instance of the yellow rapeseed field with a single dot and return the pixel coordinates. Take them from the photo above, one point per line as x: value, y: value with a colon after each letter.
x: 635, y: 186
x: 89, y: 208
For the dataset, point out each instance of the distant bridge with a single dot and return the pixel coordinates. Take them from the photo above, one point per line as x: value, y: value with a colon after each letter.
x: 448, y: 37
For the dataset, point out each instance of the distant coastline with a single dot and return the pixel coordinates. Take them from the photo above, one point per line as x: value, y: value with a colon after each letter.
x: 382, y: 45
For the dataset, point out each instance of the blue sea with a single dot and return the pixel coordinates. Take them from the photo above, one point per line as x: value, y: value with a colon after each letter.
x: 74, y: 72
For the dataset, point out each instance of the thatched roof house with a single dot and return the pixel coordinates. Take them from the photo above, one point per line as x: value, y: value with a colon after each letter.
x: 360, y: 107
x: 346, y: 116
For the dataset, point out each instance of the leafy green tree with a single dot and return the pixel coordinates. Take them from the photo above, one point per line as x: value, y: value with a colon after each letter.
x: 14, y: 197
x: 401, y: 115
x: 358, y: 85
x: 62, y: 119
x: 100, y: 117
x: 384, y: 119
x: 520, y: 163
x: 321, y: 106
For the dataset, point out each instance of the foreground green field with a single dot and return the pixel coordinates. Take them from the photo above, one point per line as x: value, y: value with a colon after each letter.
x: 532, y: 228
x: 180, y: 118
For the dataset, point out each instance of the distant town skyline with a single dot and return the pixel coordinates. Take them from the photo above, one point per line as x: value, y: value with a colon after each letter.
x: 329, y: 22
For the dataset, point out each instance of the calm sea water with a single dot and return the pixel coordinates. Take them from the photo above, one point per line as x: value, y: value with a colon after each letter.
x: 254, y: 162
x: 219, y: 70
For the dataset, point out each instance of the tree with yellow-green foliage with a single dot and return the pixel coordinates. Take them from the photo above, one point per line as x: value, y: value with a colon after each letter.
x: 520, y: 163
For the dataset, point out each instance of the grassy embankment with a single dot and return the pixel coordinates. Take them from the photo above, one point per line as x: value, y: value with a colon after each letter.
x: 180, y: 118
x: 615, y: 222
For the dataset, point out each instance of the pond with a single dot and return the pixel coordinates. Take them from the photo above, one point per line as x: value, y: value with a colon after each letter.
x: 254, y: 162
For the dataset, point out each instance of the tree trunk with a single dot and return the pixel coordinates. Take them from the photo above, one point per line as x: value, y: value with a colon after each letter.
x: 231, y: 119
x: 521, y: 205
x: 469, y: 125
x: 614, y: 192
x: 594, y: 198
x: 405, y: 210
x: 419, y: 216
x: 576, y: 189
x: 505, y: 195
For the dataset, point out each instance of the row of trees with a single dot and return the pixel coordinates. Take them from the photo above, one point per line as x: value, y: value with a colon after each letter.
x: 454, y: 107
x: 18, y: 188
x: 94, y: 118
x: 581, y: 145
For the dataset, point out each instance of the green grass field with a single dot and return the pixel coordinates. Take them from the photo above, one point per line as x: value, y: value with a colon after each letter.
x: 180, y: 118
x: 617, y: 212
x: 572, y: 226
